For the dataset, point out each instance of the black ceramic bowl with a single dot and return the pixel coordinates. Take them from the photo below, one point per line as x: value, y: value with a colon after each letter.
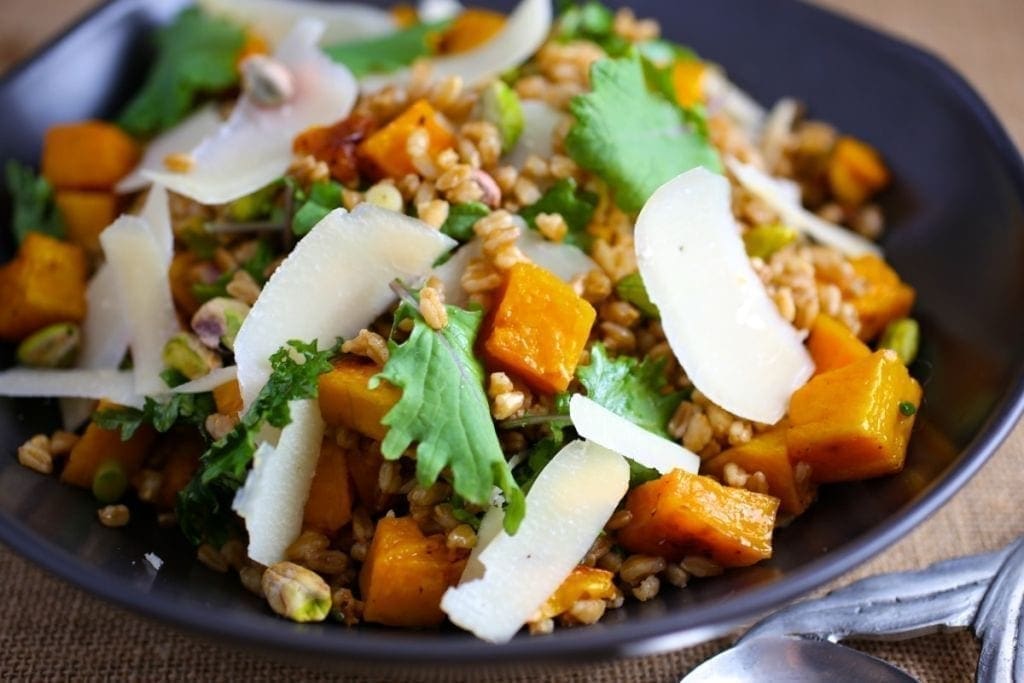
x: 957, y: 234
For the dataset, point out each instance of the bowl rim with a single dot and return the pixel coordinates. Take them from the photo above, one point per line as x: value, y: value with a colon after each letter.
x: 669, y: 631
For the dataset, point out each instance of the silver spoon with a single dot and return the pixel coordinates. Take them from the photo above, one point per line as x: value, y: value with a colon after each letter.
x: 981, y: 592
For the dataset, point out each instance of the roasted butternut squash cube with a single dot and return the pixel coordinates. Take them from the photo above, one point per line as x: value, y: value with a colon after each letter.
x: 44, y: 284
x: 228, y: 398
x: 767, y: 453
x: 87, y: 155
x: 387, y: 150
x: 183, y: 448
x: 854, y: 422
x: 688, y: 81
x: 471, y: 28
x: 406, y: 573
x: 364, y: 471
x: 855, y: 171
x: 832, y: 345
x: 682, y: 514
x: 584, y: 583
x: 99, y: 445
x: 329, y: 506
x: 885, y: 299
x: 538, y: 328
x: 346, y: 399
x: 86, y: 214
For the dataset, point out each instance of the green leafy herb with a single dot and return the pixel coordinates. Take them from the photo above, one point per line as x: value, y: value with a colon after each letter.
x: 574, y: 204
x: 444, y: 409
x: 462, y: 218
x: 538, y: 457
x: 907, y: 408
x: 196, y: 56
x: 386, y: 53
x: 323, y: 197
x: 640, y: 474
x: 591, y: 21
x: 188, y: 409
x: 632, y: 289
x: 204, y: 506
x: 33, y: 209
x: 634, y: 139
x: 629, y: 388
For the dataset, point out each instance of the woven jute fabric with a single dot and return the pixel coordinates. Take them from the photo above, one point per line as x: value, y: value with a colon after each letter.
x: 51, y: 631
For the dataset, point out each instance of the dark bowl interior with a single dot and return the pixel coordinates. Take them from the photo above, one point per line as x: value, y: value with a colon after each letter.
x: 957, y: 234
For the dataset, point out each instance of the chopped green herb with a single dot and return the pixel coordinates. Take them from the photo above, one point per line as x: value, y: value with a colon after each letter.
x: 634, y: 139
x: 196, y: 56
x: 907, y: 408
x: 591, y: 21
x: 640, y: 474
x: 444, y: 410
x: 387, y: 53
x: 539, y: 455
x: 576, y: 206
x: 629, y: 388
x: 189, y: 409
x: 462, y: 218
x: 33, y: 209
x: 324, y: 196
x: 631, y: 288
x: 204, y: 506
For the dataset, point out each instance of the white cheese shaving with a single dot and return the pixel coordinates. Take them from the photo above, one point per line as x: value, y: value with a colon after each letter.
x: 271, y: 19
x: 181, y: 138
x: 717, y: 317
x: 274, y: 496
x: 430, y: 11
x: 254, y: 147
x: 566, y: 508
x: 594, y: 422
x: 335, y: 282
x: 115, y: 385
x: 208, y: 382
x: 144, y: 294
x: 777, y: 195
x: 525, y: 29
x: 154, y: 561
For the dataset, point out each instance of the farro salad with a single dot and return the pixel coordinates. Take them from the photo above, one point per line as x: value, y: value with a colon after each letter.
x: 440, y: 314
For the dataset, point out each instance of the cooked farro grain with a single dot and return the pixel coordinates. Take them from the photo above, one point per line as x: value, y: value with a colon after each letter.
x: 243, y: 287
x: 147, y: 485
x: 461, y: 537
x: 587, y: 611
x: 638, y: 567
x: 212, y: 558
x: 35, y: 454
x: 62, y: 442
x: 251, y: 576
x: 552, y: 226
x: 676, y: 575
x: 219, y: 425
x: 114, y: 516
x: 701, y: 567
x: 432, y: 308
x: 648, y: 588
x: 433, y: 212
x: 368, y: 344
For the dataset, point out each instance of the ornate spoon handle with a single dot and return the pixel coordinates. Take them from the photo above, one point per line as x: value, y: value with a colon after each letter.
x: 980, y: 591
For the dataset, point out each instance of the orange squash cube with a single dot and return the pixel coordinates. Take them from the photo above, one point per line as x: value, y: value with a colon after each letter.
x: 767, y: 453
x: 584, y: 583
x: 832, y: 345
x: 99, y: 445
x: 885, y: 299
x: 855, y: 171
x: 184, y: 447
x: 538, y: 328
x: 852, y: 423
x: 228, y: 398
x: 688, y: 81
x: 346, y: 399
x: 406, y: 573
x: 471, y: 28
x: 364, y: 472
x: 329, y: 506
x: 86, y: 215
x: 386, y: 148
x: 682, y: 514
x: 44, y: 284
x: 88, y: 155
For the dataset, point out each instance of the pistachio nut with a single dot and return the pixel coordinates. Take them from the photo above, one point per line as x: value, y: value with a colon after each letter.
x: 54, y: 346
x: 764, y: 240
x: 267, y: 82
x: 902, y: 336
x: 186, y: 354
x: 218, y: 321
x: 296, y: 592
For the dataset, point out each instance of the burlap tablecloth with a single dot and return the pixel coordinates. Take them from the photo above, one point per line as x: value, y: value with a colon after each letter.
x: 49, y: 630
